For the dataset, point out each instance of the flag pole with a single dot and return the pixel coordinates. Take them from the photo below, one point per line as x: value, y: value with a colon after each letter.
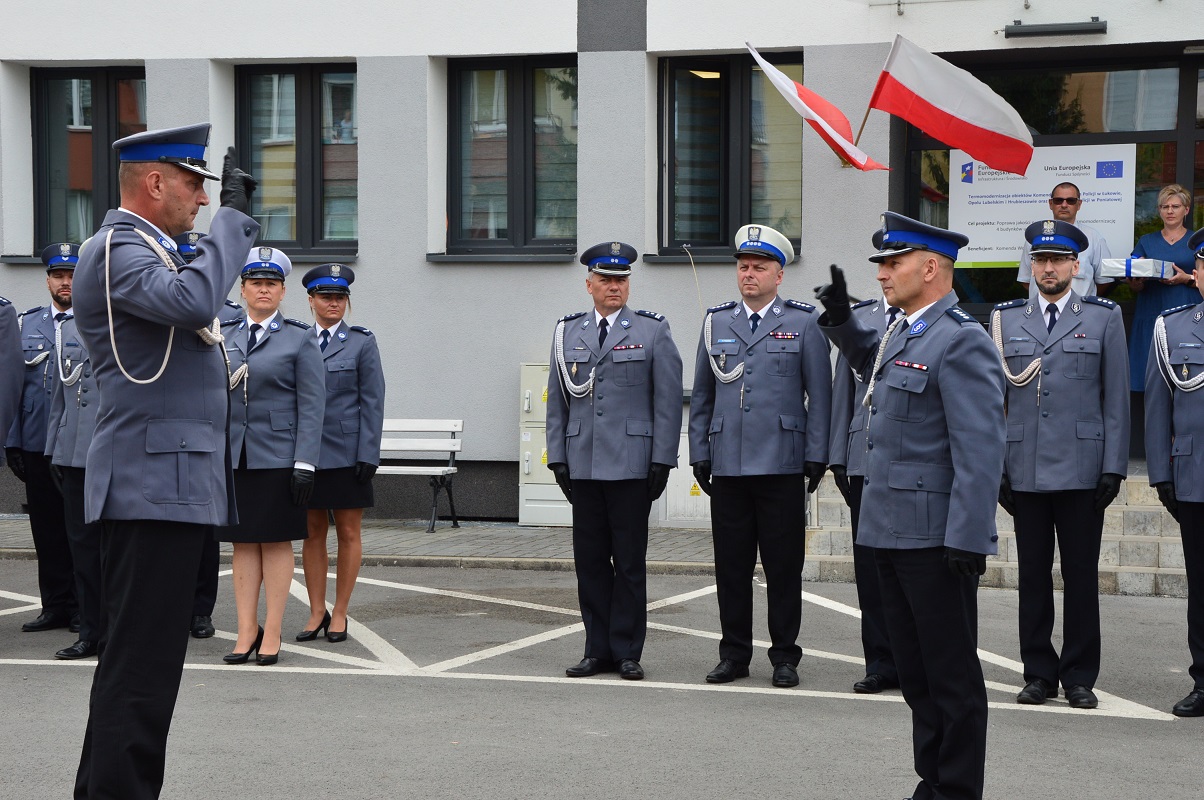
x: 862, y: 128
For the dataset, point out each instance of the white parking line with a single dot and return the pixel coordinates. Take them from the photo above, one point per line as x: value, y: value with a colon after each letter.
x: 390, y: 657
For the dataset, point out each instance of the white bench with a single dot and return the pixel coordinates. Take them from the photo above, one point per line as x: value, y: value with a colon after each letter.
x: 393, y: 448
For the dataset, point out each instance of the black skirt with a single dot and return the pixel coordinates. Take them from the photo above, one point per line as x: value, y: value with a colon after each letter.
x: 338, y: 488
x: 265, y: 508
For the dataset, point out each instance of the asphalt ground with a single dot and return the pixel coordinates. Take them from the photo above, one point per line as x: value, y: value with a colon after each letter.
x: 452, y: 686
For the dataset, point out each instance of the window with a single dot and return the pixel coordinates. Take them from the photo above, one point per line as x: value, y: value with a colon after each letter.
x: 732, y: 152
x: 512, y: 156
x: 297, y: 132
x: 77, y: 115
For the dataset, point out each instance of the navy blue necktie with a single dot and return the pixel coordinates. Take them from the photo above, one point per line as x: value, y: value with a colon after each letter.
x: 754, y: 320
x: 894, y: 312
x: 254, y: 337
x: 603, y: 327
x: 1053, y: 317
x: 325, y: 337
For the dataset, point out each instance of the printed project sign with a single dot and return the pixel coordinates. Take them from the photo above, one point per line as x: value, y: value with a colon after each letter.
x: 993, y: 208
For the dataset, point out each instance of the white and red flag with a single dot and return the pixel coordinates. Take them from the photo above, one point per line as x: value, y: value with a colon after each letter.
x: 827, y: 120
x: 952, y: 105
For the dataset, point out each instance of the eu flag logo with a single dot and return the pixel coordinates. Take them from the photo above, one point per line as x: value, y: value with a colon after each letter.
x: 1109, y: 169
x: 968, y: 173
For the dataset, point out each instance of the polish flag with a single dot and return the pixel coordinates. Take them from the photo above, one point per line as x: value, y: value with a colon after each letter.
x: 832, y: 126
x: 952, y: 105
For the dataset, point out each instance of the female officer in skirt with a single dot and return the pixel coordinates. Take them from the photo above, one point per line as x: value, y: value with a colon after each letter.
x: 351, y: 433
x: 276, y: 406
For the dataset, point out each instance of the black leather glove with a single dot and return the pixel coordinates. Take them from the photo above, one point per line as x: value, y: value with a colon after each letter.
x: 16, y: 462
x: 813, y: 471
x: 1166, y: 496
x: 364, y: 471
x: 302, y: 486
x: 561, y: 471
x: 835, y: 298
x: 841, y: 475
x: 237, y: 186
x: 1005, y: 496
x: 963, y: 562
x: 702, y: 476
x: 56, y: 475
x: 1106, y: 490
x: 658, y: 479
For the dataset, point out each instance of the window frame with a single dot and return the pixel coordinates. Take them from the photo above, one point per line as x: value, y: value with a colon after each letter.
x: 520, y: 158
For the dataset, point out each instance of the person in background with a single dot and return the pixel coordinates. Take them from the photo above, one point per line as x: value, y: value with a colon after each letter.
x: 1065, y: 202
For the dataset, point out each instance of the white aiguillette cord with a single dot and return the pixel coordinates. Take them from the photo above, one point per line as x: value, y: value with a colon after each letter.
x: 1164, y: 362
x: 40, y: 357
x: 73, y: 377
x: 1026, y: 375
x: 566, y: 381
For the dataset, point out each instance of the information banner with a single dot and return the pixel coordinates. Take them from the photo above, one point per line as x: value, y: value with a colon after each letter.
x: 993, y: 208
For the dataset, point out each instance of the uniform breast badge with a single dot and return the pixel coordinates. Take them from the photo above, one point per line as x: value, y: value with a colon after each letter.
x: 574, y: 370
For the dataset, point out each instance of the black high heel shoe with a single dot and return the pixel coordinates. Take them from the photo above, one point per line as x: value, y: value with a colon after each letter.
x: 337, y: 636
x: 242, y: 658
x: 309, y: 636
x: 270, y: 658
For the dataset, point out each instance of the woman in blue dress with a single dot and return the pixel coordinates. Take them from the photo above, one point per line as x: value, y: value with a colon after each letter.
x: 1156, y: 296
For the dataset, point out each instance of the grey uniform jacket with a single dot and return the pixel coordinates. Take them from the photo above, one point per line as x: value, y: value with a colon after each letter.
x: 12, y: 366
x: 355, y: 397
x: 279, y: 416
x: 847, y: 447
x: 159, y: 452
x: 633, y: 415
x: 775, y: 416
x: 28, y: 431
x: 1070, y: 423
x: 935, y: 435
x: 72, y: 420
x: 1174, y: 417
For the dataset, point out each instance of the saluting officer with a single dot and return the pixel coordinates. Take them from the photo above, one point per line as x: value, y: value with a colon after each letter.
x: 1174, y: 414
x: 614, y: 423
x: 1066, y: 363
x: 187, y: 243
x: 12, y: 365
x: 759, y: 445
x: 27, y: 442
x: 933, y: 461
x: 158, y: 468
x: 846, y: 455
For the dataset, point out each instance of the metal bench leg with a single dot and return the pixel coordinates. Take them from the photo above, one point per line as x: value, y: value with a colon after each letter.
x: 452, y: 503
x: 434, y: 504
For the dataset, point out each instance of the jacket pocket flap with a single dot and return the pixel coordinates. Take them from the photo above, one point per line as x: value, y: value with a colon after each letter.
x: 920, y: 477
x: 634, y: 354
x: 283, y: 420
x: 716, y: 425
x: 1016, y: 432
x: 725, y: 349
x: 781, y: 345
x: 639, y: 427
x: 1187, y: 355
x: 340, y: 365
x: 1182, y: 445
x: 350, y: 425
x: 1080, y: 345
x: 1019, y: 348
x: 180, y: 436
x: 1089, y: 430
x: 577, y: 356
x: 573, y: 428
x: 909, y: 380
x: 792, y: 422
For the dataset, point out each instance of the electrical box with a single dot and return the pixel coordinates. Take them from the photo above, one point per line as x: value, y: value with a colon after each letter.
x: 540, y: 501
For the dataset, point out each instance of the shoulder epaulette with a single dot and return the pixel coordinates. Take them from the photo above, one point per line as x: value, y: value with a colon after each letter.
x: 1100, y: 301
x: 33, y: 310
x: 303, y: 326
x: 361, y: 329
x: 4, y: 301
x: 800, y: 306
x: 571, y: 317
x: 722, y: 307
x: 1177, y: 309
x: 1019, y: 301
x: 652, y: 314
x: 960, y: 316
x: 865, y: 303
x: 232, y: 304
x: 234, y: 321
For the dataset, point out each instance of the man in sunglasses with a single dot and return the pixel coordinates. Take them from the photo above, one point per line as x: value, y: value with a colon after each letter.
x: 1065, y: 202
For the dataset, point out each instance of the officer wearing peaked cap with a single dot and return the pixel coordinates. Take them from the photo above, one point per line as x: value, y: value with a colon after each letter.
x: 1067, y: 366
x: 759, y: 445
x: 26, y: 442
x: 12, y: 365
x: 934, y: 446
x: 1174, y: 414
x: 614, y: 423
x: 158, y: 468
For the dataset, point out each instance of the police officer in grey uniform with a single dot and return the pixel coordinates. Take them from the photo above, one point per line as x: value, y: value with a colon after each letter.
x: 614, y: 423
x: 12, y: 365
x: 846, y: 457
x: 1174, y: 414
x: 27, y: 442
x: 759, y: 445
x: 158, y: 468
x: 933, y: 461
x: 1067, y: 367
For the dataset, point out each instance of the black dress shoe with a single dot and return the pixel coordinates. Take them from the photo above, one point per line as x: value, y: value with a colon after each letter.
x: 589, y: 666
x: 242, y: 658
x: 785, y: 675
x: 324, y: 625
x: 336, y: 636
x: 630, y: 670
x: 1190, y: 706
x: 46, y: 621
x: 74, y: 625
x: 873, y: 683
x: 202, y: 626
x: 1036, y: 692
x: 80, y: 649
x: 1081, y: 697
x: 727, y: 671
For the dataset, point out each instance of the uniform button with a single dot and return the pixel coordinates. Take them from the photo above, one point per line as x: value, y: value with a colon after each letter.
x: 600, y: 380
x: 747, y: 370
x: 601, y: 397
x: 87, y: 374
x: 84, y: 390
x: 244, y: 424
x: 905, y: 381
x: 869, y: 445
x: 1045, y: 413
x: 874, y: 410
x: 879, y: 375
x: 84, y: 403
x: 749, y: 351
x: 866, y: 482
x: 599, y: 413
x: 747, y: 408
x: 920, y: 483
x: 1048, y: 351
x: 994, y: 537
x: 183, y: 444
x: 747, y: 389
x: 1045, y: 392
x: 1045, y: 371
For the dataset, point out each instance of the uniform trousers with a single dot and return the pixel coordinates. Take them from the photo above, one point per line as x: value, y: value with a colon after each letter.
x: 610, y: 551
x: 1191, y: 529
x: 56, y: 577
x: 932, y: 620
x: 765, y: 512
x: 84, y: 540
x: 149, y: 573
x: 874, y: 641
x: 1071, y: 517
x: 205, y: 597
